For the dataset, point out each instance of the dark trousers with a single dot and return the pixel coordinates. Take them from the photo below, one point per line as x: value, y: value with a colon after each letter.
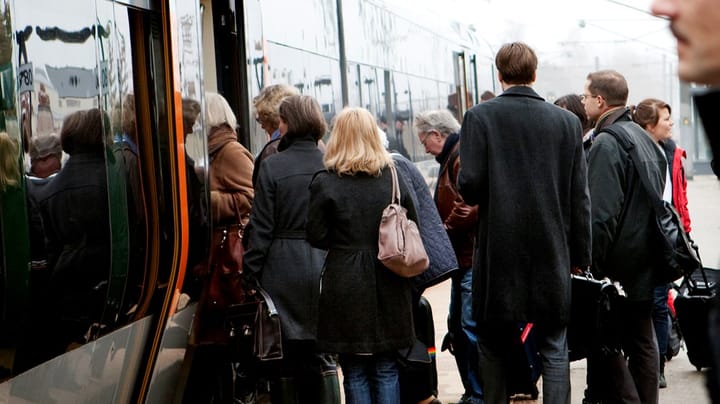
x: 497, y: 341
x: 612, y: 378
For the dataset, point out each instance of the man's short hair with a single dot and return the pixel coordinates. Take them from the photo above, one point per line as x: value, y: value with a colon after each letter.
x: 609, y: 84
x: 440, y: 120
x: 516, y: 62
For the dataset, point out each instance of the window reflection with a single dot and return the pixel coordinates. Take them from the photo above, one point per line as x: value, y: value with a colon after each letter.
x: 85, y: 199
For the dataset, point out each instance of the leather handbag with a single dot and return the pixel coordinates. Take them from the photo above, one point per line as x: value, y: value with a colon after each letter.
x: 254, y: 327
x: 594, y: 321
x: 226, y: 267
x: 400, y: 247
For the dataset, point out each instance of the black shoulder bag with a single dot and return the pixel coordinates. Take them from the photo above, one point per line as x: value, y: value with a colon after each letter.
x: 677, y: 254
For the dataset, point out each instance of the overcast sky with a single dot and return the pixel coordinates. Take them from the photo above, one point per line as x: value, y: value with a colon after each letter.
x: 553, y: 27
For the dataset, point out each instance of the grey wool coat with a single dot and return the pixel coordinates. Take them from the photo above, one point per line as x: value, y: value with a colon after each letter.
x: 288, y: 267
x: 523, y: 164
x: 364, y: 307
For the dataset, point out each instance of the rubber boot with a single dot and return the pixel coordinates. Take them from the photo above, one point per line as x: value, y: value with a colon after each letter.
x: 282, y: 391
x: 329, y: 388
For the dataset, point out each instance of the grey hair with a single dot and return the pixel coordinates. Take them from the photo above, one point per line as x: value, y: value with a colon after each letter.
x: 440, y: 120
x: 218, y: 111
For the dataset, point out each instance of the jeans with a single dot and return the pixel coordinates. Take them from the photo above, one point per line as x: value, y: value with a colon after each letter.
x: 370, y: 379
x: 660, y: 318
x: 496, y: 341
x: 464, y: 329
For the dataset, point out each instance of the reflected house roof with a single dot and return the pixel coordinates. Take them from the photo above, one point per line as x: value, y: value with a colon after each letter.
x: 73, y: 82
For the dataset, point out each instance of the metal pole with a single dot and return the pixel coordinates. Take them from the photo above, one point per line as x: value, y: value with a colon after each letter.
x: 343, y: 58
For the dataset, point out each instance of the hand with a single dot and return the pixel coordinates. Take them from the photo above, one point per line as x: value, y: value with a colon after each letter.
x: 249, y: 281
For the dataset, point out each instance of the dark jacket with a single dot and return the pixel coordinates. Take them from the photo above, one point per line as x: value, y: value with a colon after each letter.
x: 287, y: 266
x: 707, y: 104
x: 364, y: 307
x: 435, y: 239
x: 459, y: 218
x: 622, y: 216
x: 523, y: 164
x: 76, y: 221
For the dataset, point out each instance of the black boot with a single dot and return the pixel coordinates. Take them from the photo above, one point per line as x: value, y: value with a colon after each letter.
x: 329, y: 388
x: 282, y: 391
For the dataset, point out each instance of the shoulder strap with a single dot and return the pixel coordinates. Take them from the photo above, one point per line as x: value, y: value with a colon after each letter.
x: 395, y: 185
x: 623, y: 139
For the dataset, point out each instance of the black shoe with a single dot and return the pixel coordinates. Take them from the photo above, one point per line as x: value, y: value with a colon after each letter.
x: 662, y: 383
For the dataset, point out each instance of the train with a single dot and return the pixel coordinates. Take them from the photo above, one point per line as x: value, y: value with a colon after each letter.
x: 57, y: 58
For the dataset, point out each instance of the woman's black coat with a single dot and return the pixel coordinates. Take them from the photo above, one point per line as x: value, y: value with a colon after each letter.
x: 288, y: 267
x: 364, y: 307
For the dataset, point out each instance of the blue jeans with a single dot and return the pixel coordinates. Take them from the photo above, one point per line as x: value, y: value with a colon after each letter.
x: 496, y: 340
x: 370, y: 379
x: 464, y: 329
x: 661, y: 319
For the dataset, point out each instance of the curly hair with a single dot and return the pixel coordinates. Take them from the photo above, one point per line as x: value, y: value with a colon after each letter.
x: 268, y: 101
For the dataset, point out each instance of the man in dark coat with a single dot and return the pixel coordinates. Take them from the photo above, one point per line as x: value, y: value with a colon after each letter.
x: 439, y: 132
x: 622, y: 238
x: 523, y: 165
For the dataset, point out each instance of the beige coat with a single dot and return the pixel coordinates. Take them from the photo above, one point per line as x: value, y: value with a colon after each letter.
x: 231, y: 167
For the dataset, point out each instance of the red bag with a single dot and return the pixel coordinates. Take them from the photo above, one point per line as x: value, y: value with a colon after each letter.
x: 226, y: 259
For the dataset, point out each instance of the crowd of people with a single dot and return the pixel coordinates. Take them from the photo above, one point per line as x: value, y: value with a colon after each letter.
x: 528, y: 192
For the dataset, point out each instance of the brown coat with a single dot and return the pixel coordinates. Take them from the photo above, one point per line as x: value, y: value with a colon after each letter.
x: 231, y: 167
x: 459, y: 219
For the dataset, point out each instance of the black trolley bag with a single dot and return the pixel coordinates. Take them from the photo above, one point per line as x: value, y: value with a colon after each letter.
x: 692, y: 307
x: 418, y: 367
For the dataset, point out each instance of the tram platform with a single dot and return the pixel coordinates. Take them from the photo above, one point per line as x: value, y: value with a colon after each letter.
x: 685, y: 383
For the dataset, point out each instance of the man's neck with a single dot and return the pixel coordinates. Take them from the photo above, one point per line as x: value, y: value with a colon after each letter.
x: 506, y: 86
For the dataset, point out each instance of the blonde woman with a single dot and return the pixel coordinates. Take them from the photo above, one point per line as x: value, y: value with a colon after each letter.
x: 365, y: 312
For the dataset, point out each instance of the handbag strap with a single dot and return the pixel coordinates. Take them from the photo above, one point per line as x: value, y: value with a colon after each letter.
x: 622, y: 137
x: 395, y: 185
x: 272, y: 310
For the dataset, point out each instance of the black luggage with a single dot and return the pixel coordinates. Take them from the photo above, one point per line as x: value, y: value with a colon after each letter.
x: 525, y: 368
x: 693, y: 306
x: 418, y: 369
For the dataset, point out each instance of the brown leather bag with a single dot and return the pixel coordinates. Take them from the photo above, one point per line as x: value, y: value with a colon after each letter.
x: 400, y: 247
x: 226, y: 260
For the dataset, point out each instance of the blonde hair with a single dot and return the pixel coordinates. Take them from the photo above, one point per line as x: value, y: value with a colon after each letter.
x: 218, y: 111
x: 9, y: 167
x: 354, y: 145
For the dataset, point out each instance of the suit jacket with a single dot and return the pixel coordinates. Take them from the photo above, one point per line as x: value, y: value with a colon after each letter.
x: 523, y: 164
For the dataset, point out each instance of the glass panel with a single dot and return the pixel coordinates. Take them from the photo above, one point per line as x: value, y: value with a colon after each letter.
x: 191, y: 79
